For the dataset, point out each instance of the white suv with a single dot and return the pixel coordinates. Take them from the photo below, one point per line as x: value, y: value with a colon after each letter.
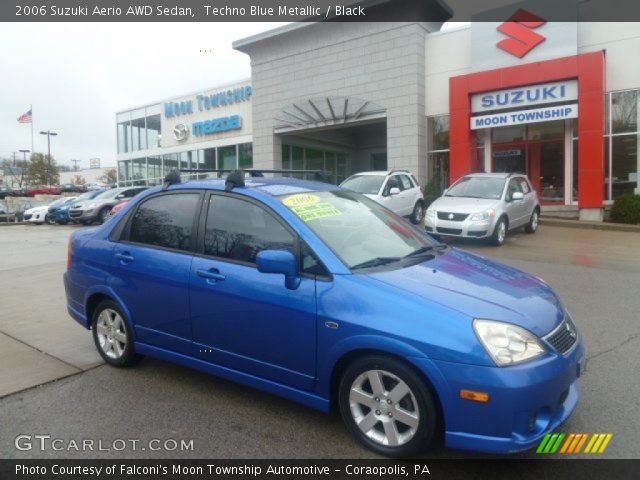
x: 398, y: 190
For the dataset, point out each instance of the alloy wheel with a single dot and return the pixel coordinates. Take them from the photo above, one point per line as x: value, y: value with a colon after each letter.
x: 384, y: 408
x: 418, y: 213
x: 502, y: 231
x: 111, y: 333
x: 534, y: 221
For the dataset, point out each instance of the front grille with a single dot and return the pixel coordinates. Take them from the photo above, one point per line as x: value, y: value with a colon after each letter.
x: 27, y: 216
x: 449, y: 231
x: 453, y: 217
x: 564, y: 337
x: 75, y: 213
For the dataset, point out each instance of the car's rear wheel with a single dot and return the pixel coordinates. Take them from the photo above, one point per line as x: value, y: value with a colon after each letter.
x: 387, y: 406
x: 532, y: 226
x: 418, y: 213
x: 499, y: 233
x: 112, y: 335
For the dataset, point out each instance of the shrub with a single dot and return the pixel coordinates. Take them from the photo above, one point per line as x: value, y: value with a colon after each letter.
x: 626, y: 209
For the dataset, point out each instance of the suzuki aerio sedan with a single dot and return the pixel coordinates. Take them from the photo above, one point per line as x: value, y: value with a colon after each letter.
x: 322, y: 296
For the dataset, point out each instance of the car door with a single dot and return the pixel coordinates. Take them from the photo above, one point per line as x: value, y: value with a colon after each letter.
x: 407, y: 195
x: 516, y: 209
x: 152, y: 264
x: 241, y: 318
x: 529, y: 198
x: 392, y: 202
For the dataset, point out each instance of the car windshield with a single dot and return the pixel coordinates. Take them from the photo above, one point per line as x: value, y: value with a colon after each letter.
x: 108, y: 194
x: 88, y: 195
x: 60, y: 201
x: 366, y: 184
x: 477, y: 187
x: 360, y: 231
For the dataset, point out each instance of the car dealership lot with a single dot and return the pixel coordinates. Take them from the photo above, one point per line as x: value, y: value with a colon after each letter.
x: 597, y: 273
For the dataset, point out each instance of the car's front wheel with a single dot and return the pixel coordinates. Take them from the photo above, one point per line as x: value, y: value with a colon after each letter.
x: 418, y: 213
x: 112, y: 335
x: 532, y: 226
x: 387, y: 406
x: 499, y: 233
x: 103, y: 215
x: 49, y: 220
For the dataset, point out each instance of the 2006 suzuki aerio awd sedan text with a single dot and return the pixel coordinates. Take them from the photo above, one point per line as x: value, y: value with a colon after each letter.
x: 322, y: 296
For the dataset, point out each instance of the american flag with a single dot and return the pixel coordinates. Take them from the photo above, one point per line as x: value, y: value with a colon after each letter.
x: 25, y: 117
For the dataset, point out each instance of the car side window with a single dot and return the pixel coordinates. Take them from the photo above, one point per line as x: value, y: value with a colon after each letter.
x: 310, y: 262
x: 524, y: 185
x: 238, y: 230
x: 406, y: 183
x: 165, y: 221
x: 392, y: 182
x: 514, y: 186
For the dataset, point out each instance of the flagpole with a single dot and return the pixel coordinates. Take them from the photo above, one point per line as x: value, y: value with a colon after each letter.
x: 31, y: 108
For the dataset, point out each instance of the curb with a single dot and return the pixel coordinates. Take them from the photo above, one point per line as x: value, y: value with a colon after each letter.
x: 618, y: 227
x: 11, y: 224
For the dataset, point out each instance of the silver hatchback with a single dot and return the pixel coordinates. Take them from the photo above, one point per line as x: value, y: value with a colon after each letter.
x: 485, y: 205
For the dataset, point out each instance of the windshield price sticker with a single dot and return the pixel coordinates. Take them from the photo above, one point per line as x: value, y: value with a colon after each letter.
x: 301, y: 199
x: 315, y: 211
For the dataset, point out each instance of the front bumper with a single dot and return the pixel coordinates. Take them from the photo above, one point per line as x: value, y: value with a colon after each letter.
x: 38, y: 217
x: 465, y: 228
x: 525, y: 401
x: 83, y: 215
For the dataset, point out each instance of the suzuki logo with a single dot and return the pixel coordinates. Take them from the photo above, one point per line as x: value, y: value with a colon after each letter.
x: 451, y: 216
x: 520, y: 28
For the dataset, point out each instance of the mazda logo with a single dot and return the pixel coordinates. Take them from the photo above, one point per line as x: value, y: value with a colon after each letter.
x: 180, y: 132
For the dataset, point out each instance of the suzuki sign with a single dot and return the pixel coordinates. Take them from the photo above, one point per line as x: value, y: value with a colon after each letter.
x: 554, y: 92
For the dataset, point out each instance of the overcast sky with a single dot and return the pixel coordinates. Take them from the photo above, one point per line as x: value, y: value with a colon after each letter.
x: 78, y: 75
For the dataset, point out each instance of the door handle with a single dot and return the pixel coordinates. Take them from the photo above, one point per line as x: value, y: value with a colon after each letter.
x: 212, y: 275
x: 124, y: 258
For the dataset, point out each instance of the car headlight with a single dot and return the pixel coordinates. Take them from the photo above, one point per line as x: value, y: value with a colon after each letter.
x: 431, y: 213
x: 483, y: 216
x: 507, y: 344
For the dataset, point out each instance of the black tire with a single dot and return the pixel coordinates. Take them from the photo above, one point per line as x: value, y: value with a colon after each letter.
x: 49, y: 220
x: 128, y: 356
x: 103, y: 214
x: 428, y: 423
x: 532, y: 226
x: 417, y: 215
x: 62, y: 222
x: 498, y: 236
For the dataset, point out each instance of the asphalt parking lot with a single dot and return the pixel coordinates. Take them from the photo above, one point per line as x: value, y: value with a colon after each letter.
x: 597, y: 273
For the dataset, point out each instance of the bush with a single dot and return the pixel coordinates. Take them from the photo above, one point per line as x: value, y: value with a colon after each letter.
x: 626, y: 209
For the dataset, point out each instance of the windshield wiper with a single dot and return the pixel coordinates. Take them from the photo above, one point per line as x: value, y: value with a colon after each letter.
x: 376, y: 262
x: 427, y: 249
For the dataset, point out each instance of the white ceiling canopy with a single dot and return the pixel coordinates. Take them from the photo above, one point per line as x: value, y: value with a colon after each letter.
x: 326, y: 111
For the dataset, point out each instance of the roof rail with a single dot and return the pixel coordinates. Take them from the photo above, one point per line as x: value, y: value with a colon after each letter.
x: 399, y: 170
x: 238, y: 174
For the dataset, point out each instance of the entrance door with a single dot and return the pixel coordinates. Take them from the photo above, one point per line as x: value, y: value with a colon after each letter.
x: 510, y: 158
x: 546, y: 171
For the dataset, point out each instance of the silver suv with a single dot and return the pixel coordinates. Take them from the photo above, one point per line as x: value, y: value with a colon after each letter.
x: 485, y: 205
x: 398, y: 190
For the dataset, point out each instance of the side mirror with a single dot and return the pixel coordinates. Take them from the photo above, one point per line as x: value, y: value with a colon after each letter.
x: 517, y: 196
x: 280, y: 261
x: 394, y: 191
x: 120, y: 196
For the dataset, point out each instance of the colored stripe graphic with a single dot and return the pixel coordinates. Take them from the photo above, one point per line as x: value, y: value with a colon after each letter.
x: 573, y: 443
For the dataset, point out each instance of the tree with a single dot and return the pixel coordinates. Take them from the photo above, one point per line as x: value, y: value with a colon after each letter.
x: 78, y: 180
x: 43, y: 170
x: 110, y: 176
x: 17, y: 170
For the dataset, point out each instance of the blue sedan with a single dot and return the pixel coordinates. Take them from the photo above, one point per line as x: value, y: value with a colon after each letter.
x: 324, y: 297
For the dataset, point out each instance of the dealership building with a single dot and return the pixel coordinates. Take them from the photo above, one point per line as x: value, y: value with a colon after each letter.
x: 555, y: 100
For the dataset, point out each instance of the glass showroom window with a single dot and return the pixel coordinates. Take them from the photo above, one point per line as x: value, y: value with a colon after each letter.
x: 138, y: 134
x: 623, y: 143
x: 124, y: 173
x: 333, y: 164
x: 170, y: 163
x: 245, y: 154
x: 438, y: 153
x: 139, y: 171
x: 153, y: 131
x: 124, y: 137
x: 227, y: 157
x: 154, y: 170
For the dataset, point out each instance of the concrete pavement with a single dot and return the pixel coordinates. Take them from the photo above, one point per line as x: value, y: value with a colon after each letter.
x: 597, y: 273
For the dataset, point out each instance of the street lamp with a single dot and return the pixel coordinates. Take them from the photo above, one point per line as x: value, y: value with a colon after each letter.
x: 24, y: 155
x: 49, y: 134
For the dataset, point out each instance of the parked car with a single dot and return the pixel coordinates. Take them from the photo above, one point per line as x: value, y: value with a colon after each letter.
x: 485, y: 205
x: 72, y: 187
x: 37, y: 214
x: 95, y: 186
x: 320, y: 295
x: 115, y: 210
x: 4, y: 192
x: 43, y: 190
x: 6, y: 215
x: 18, y: 192
x: 97, y: 209
x: 25, y: 205
x: 397, y: 190
x: 61, y: 215
x: 56, y: 207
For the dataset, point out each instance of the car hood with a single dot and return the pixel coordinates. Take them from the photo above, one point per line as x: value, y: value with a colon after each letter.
x: 480, y: 288
x: 463, y: 204
x: 37, y: 210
